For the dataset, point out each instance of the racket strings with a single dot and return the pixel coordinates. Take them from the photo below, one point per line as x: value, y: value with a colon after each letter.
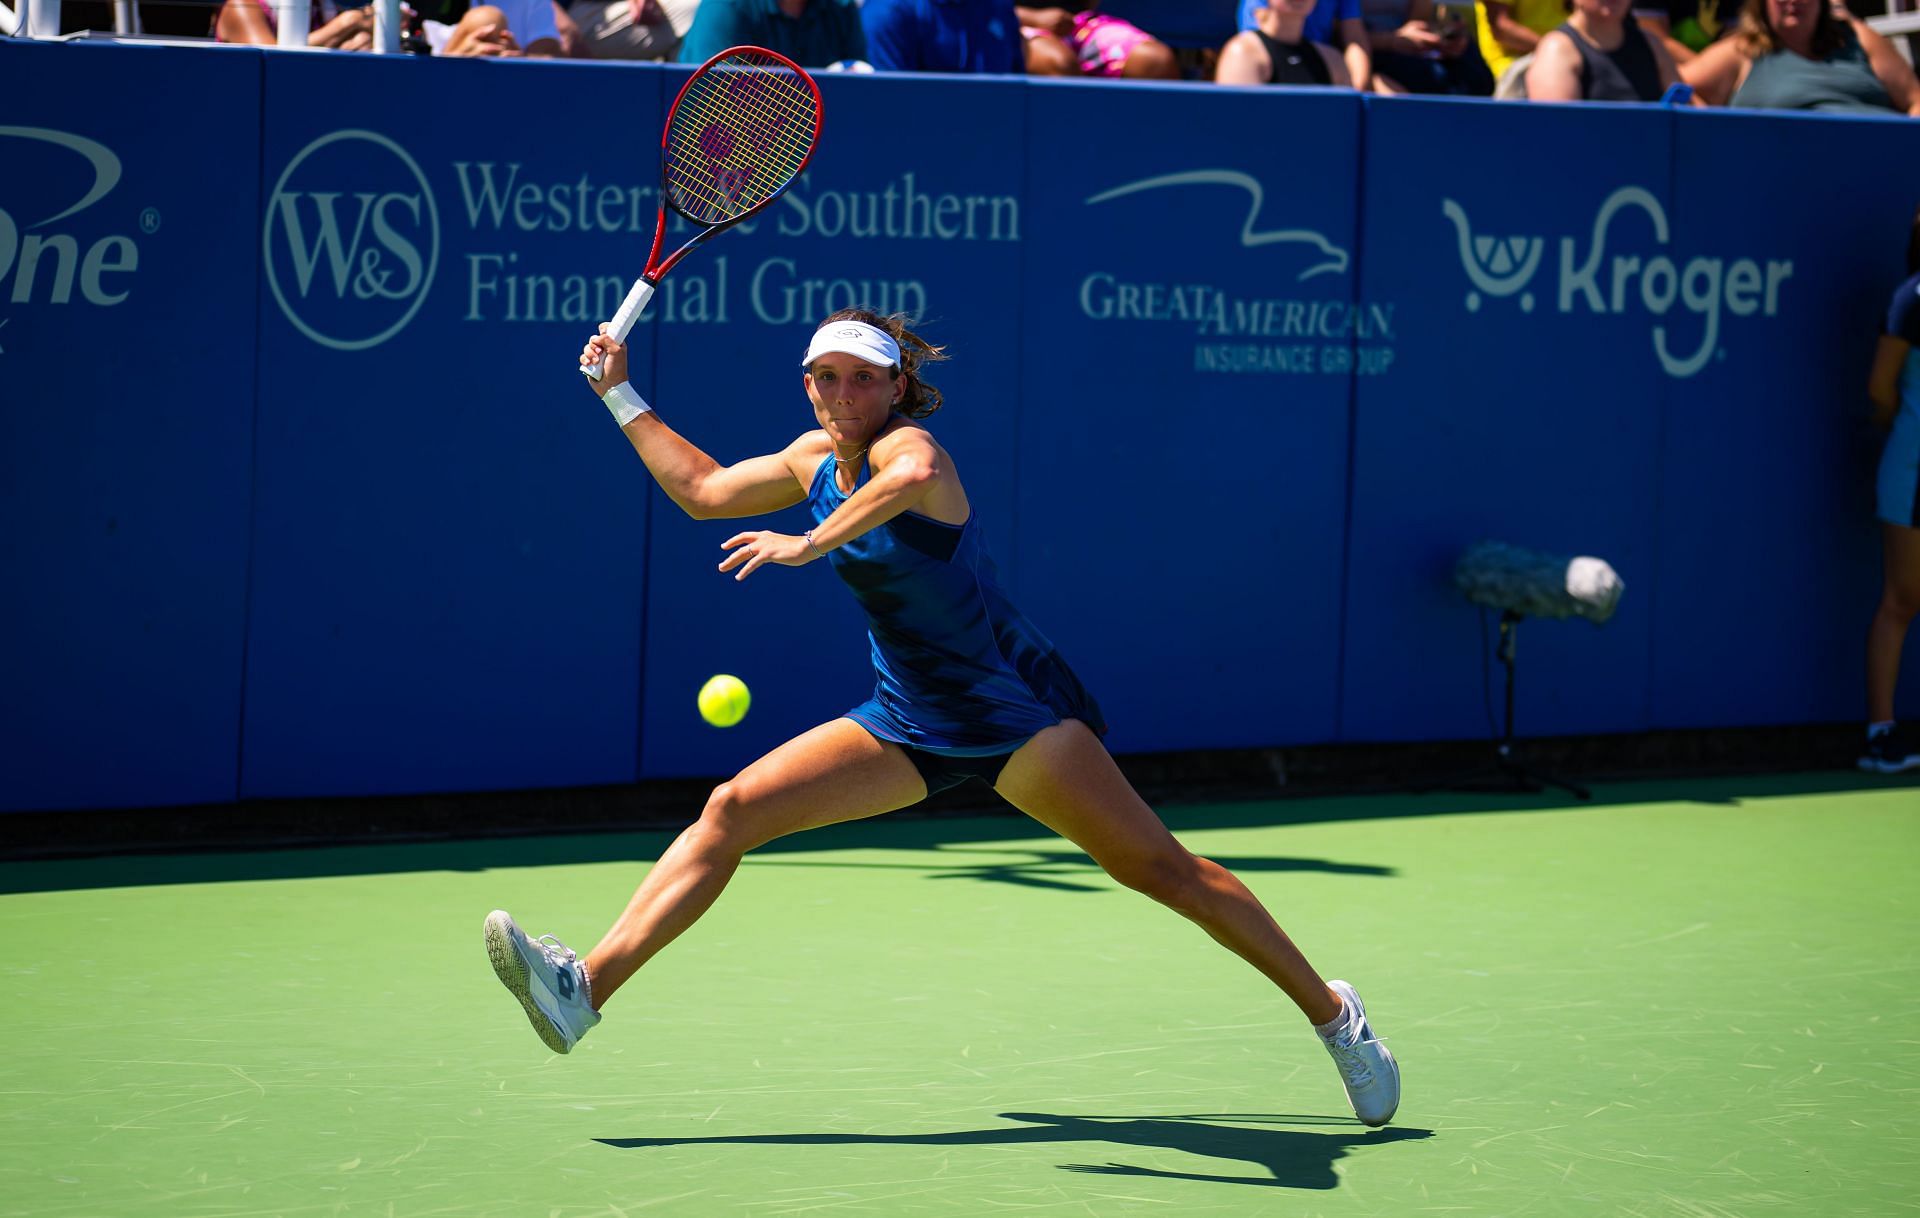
x: 736, y: 149
x: 741, y: 130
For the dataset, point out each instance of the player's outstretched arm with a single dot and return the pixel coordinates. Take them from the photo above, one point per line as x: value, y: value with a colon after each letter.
x: 909, y: 469
x: 702, y: 487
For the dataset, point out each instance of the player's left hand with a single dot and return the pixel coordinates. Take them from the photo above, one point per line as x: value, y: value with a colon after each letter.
x: 751, y: 551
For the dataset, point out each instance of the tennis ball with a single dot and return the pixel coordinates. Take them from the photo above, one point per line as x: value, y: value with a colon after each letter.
x: 724, y: 700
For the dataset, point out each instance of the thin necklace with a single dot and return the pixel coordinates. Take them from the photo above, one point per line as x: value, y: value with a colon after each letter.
x: 855, y: 457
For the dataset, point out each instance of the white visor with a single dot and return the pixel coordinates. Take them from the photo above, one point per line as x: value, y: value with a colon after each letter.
x: 855, y: 338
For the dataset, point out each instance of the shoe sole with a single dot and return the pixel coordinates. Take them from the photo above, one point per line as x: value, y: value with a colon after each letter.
x: 511, y: 968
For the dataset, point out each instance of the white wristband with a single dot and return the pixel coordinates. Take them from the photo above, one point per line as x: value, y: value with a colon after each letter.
x: 625, y: 404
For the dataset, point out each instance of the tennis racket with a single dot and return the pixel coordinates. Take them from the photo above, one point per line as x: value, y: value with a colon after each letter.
x: 741, y: 130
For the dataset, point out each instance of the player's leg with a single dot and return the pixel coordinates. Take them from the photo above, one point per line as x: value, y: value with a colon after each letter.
x: 1065, y: 779
x: 1899, y: 603
x: 835, y: 772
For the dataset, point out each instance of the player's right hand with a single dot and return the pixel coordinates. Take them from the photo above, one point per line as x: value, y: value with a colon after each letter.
x: 614, y: 368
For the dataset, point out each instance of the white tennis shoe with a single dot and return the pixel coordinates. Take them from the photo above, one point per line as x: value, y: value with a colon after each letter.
x: 1371, y: 1076
x: 550, y: 982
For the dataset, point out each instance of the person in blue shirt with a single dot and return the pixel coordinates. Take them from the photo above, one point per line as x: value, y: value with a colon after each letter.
x: 979, y: 36
x: 965, y: 688
x: 1894, y: 387
x: 812, y: 33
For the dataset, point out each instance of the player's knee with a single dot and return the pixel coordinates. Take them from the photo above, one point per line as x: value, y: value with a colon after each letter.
x: 1900, y: 601
x: 726, y: 823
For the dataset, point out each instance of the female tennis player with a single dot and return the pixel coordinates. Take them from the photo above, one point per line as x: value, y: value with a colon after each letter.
x: 966, y: 688
x: 1894, y: 387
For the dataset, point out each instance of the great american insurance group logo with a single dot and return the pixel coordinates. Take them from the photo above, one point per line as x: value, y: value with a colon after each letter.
x: 352, y: 239
x: 1612, y: 278
x: 1311, y: 325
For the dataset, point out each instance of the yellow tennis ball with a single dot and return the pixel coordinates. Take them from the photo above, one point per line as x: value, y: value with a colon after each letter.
x: 724, y: 700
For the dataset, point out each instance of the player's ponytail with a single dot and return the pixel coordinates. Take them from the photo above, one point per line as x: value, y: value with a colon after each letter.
x: 920, y: 399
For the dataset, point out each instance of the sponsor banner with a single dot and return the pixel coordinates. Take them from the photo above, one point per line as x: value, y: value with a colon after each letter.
x: 1769, y: 557
x: 937, y: 230
x: 1227, y: 416
x: 450, y: 536
x: 1194, y: 328
x: 125, y: 422
x: 1547, y: 301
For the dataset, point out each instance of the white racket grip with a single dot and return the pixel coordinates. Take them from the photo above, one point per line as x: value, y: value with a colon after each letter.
x: 623, y: 319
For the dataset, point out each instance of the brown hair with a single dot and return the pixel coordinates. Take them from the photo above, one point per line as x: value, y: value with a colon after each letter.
x: 1757, y: 35
x: 920, y: 399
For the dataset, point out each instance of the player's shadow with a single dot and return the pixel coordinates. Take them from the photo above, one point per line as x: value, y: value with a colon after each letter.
x: 1061, y: 870
x: 1291, y: 1158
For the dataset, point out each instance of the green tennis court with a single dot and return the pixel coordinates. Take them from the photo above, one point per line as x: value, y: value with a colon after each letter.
x: 1692, y: 998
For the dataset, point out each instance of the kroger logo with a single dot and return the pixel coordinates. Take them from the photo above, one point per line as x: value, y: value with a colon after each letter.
x: 1505, y: 266
x: 42, y: 254
x: 352, y: 240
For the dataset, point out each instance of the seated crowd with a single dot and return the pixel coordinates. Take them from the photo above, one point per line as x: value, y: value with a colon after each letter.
x: 1761, y: 54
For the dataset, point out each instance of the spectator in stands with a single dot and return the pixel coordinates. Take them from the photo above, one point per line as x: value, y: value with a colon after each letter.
x: 1277, y: 51
x: 630, y: 29
x: 1077, y: 41
x: 507, y: 29
x: 1804, y: 55
x: 1423, y: 47
x: 1688, y: 27
x: 1337, y: 23
x: 1509, y: 32
x: 503, y: 29
x: 1894, y: 388
x: 1600, y: 54
x: 254, y: 23
x: 812, y: 33
x: 944, y: 36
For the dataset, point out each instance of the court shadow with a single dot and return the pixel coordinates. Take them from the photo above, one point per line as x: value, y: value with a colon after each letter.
x: 66, y: 851
x: 1060, y: 870
x: 1287, y: 1157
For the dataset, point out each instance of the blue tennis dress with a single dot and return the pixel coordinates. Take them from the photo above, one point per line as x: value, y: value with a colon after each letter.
x: 1899, y: 481
x: 958, y: 671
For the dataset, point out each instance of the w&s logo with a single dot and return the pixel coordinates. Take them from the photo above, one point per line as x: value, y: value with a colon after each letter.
x: 352, y: 240
x: 1623, y: 275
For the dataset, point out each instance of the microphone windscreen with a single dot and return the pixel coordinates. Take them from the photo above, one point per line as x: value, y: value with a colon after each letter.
x: 1537, y: 585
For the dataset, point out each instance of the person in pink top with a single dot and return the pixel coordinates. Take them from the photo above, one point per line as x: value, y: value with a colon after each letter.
x: 1077, y: 41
